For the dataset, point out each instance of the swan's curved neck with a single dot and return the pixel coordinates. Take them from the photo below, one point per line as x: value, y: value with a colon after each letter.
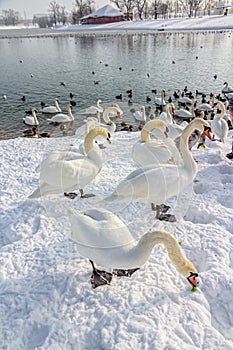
x: 57, y: 106
x: 106, y: 113
x: 152, y: 124
x: 150, y: 239
x: 169, y: 113
x: 186, y: 155
x: 70, y: 113
x: 89, y: 139
x: 35, y: 117
x: 223, y: 110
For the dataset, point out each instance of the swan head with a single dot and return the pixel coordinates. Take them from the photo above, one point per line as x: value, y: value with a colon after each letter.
x: 192, y: 280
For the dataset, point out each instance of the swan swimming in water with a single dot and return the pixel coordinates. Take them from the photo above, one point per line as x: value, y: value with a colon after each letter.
x: 140, y: 115
x: 154, y: 184
x: 64, y: 171
x: 31, y: 119
x: 63, y: 118
x: 105, y: 240
x: 52, y: 109
x: 93, y: 109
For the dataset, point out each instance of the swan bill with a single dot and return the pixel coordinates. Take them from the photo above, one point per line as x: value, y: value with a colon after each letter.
x: 192, y: 279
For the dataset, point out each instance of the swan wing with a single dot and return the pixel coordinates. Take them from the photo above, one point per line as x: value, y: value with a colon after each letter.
x: 98, y: 228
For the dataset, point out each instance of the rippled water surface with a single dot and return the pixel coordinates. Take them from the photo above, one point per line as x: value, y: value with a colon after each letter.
x: 34, y: 67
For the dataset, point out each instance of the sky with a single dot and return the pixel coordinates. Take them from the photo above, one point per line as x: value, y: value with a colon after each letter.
x: 29, y: 7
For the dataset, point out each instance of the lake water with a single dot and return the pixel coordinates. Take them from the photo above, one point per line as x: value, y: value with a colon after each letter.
x: 34, y: 67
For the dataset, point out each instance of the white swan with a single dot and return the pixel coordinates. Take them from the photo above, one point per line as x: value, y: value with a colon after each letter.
x: 103, y: 238
x: 184, y: 99
x: 183, y: 113
x: 64, y: 171
x: 52, y: 109
x: 219, y: 125
x: 63, y: 118
x: 155, y: 184
x: 109, y: 124
x: 160, y: 101
x: 93, y: 109
x: 31, y: 119
x: 156, y: 151
x: 174, y: 130
x: 227, y: 89
x: 140, y: 115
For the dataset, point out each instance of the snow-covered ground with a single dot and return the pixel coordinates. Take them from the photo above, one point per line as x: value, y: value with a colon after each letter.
x: 46, y: 298
x: 213, y: 22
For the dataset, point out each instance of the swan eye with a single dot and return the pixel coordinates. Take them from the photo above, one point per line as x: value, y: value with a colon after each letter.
x: 192, y: 279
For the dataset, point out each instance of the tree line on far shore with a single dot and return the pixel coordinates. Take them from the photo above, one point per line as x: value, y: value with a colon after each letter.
x: 139, y: 9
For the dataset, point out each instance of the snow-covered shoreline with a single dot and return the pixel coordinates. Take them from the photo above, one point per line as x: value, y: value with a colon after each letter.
x: 46, y: 297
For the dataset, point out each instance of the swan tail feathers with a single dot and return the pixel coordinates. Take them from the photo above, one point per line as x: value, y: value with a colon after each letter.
x: 43, y: 190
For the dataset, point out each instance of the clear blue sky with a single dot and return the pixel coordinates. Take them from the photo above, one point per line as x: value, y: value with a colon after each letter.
x: 29, y: 7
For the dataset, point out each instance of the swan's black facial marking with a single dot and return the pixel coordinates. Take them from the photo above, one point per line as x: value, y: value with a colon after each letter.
x: 108, y: 138
x: 192, y: 279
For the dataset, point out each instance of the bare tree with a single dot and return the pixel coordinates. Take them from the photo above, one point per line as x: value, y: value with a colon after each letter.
x: 126, y: 6
x: 54, y: 10
x: 140, y: 5
x: 63, y: 15
x: 155, y: 4
x: 10, y: 17
x: 191, y: 7
x: 82, y: 8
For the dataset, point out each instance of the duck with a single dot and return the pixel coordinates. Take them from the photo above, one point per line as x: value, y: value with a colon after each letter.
x: 156, y: 151
x: 31, y: 119
x: 227, y: 88
x: 104, y: 239
x: 64, y: 171
x: 52, y: 109
x: 156, y: 183
x: 62, y: 118
x: 140, y: 115
x: 219, y: 126
x: 34, y: 132
x: 185, y: 114
x: 93, y: 109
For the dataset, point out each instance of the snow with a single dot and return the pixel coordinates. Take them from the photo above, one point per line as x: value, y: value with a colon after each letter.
x: 213, y: 22
x: 47, y: 301
x: 46, y: 298
x: 106, y: 10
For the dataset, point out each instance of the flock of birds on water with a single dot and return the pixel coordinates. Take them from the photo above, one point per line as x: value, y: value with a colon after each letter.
x: 165, y: 166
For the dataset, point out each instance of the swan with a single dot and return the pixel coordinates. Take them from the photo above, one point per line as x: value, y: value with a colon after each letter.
x: 148, y: 152
x: 93, y: 109
x: 174, y: 130
x: 183, y: 113
x: 184, y: 99
x: 31, y: 119
x: 109, y: 124
x: 52, y: 109
x: 154, y: 184
x: 160, y: 101
x: 105, y: 240
x: 227, y: 89
x: 64, y: 171
x: 63, y: 118
x: 140, y: 115
x: 219, y: 126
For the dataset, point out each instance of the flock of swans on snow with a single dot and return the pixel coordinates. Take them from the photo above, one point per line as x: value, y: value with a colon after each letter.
x: 163, y: 171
